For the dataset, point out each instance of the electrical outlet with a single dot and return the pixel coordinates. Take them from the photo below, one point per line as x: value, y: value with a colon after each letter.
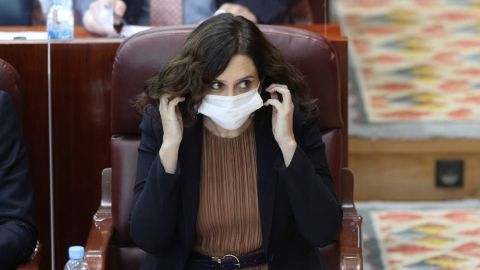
x: 449, y: 173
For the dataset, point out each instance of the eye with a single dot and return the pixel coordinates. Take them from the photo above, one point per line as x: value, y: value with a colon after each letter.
x: 245, y: 84
x: 216, y: 85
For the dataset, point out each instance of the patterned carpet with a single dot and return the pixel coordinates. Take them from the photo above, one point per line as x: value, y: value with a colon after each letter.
x: 421, y: 236
x: 413, y: 61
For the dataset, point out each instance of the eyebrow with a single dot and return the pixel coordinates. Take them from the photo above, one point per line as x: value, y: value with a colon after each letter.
x: 239, y: 80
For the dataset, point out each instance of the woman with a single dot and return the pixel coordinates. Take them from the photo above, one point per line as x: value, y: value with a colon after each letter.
x: 231, y: 174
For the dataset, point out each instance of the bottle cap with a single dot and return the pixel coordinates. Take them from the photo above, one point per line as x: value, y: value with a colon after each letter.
x: 76, y: 252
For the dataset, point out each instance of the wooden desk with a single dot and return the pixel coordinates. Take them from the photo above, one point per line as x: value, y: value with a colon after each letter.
x: 79, y: 32
x: 80, y: 88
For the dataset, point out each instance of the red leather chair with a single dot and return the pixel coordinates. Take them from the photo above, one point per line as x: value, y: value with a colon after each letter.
x: 11, y: 83
x: 141, y: 56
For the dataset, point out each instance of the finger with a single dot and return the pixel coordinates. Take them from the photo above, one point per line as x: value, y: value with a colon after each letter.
x: 167, y: 97
x: 178, y: 114
x: 277, y: 85
x: 120, y: 8
x: 173, y: 103
x: 274, y: 95
x: 282, y: 89
x: 274, y: 103
x: 163, y: 104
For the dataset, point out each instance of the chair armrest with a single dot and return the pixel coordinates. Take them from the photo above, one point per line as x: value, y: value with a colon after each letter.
x: 102, y: 227
x: 34, y: 262
x: 351, y: 233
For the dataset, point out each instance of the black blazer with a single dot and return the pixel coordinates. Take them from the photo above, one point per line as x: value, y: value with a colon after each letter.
x: 16, y: 12
x: 266, y: 11
x: 298, y: 206
x: 17, y: 231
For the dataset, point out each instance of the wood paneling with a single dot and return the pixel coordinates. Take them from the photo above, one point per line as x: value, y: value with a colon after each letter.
x: 405, y: 169
x: 81, y: 85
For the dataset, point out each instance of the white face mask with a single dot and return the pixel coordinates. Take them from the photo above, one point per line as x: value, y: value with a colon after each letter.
x: 231, y: 112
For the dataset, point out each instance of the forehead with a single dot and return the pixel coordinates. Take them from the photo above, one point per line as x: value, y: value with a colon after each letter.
x: 239, y: 66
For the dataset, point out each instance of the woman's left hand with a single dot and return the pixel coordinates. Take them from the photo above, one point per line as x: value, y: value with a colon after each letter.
x: 282, y: 119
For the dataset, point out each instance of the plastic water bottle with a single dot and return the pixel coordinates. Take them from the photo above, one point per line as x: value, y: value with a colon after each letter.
x: 76, y: 261
x: 60, y: 20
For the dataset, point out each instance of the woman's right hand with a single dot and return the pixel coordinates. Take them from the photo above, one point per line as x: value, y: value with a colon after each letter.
x: 172, y: 124
x: 171, y: 119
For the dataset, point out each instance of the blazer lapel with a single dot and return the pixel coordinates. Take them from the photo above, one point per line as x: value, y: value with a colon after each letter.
x: 190, y: 164
x: 267, y: 151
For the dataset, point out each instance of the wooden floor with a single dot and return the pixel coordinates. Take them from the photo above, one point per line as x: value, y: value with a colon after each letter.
x: 405, y: 170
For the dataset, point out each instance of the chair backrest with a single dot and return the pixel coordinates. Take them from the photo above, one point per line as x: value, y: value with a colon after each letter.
x: 141, y: 56
x: 11, y: 83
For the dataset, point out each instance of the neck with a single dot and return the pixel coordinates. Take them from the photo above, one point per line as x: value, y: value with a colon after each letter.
x: 225, y: 133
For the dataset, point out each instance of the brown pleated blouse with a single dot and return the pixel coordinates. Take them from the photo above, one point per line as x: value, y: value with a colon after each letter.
x: 228, y: 220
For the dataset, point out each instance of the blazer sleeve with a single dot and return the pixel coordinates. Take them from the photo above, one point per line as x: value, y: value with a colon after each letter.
x: 317, y: 211
x: 269, y: 11
x: 156, y: 193
x: 18, y: 234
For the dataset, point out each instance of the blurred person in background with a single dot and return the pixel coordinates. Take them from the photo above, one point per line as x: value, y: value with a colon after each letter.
x: 171, y: 12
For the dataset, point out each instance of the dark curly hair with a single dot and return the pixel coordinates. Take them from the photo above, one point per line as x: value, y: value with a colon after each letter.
x: 206, y: 54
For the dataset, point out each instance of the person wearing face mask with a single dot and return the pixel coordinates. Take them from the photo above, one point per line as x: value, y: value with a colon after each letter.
x: 232, y: 171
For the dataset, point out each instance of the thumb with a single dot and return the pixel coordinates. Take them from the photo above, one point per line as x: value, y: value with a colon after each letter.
x: 120, y: 8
